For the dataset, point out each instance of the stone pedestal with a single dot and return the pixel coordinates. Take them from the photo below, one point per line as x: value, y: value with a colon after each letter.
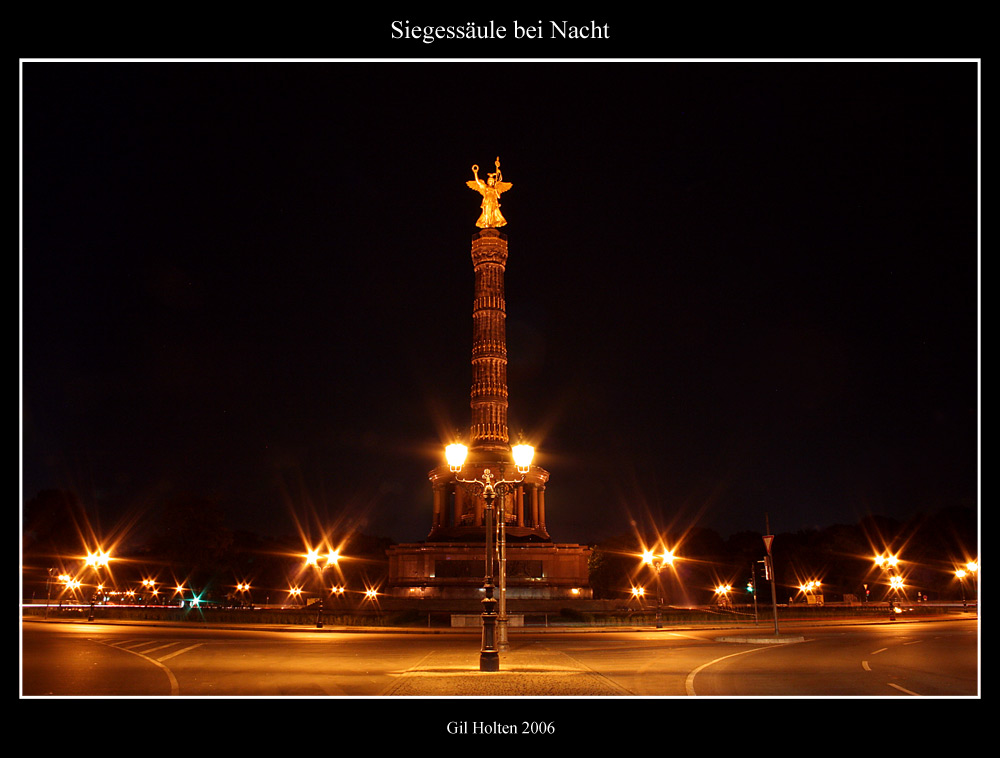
x: 534, y: 570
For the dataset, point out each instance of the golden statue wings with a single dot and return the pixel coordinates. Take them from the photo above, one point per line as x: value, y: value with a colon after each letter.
x: 491, y: 190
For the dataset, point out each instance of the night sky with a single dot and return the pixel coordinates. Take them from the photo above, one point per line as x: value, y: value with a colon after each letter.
x: 735, y: 290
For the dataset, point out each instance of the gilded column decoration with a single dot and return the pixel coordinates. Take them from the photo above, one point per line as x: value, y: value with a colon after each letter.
x: 491, y: 190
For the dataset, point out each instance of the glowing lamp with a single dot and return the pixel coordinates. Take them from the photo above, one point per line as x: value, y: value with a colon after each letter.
x: 522, y: 457
x: 99, y: 558
x: 456, y: 456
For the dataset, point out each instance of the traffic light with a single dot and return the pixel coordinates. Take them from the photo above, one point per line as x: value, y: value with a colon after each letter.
x: 750, y: 585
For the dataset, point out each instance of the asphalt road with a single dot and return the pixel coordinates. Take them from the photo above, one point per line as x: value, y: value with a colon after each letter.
x: 930, y: 659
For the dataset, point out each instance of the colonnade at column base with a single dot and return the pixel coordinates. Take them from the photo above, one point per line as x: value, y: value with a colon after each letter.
x: 534, y: 570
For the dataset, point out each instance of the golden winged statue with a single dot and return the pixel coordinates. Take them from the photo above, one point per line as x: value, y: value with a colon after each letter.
x: 490, y: 190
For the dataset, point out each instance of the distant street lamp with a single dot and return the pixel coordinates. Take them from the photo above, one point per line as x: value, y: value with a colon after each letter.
x: 312, y: 559
x: 809, y: 589
x: 960, y: 573
x: 97, y: 560
x: 150, y: 586
x: 179, y: 592
x: 723, y: 591
x: 658, y: 563
x: 638, y: 593
x: 488, y: 488
x: 896, y: 585
x: 244, y: 588
x: 48, y: 590
x: 973, y: 568
x: 71, y: 584
x: 889, y: 564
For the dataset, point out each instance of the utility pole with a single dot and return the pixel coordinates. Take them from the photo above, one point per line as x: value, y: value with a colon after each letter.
x: 769, y: 568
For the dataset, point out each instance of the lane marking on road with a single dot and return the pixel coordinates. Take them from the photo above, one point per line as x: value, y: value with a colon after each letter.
x: 914, y: 642
x: 172, y: 680
x: 865, y: 666
x: 168, y: 656
x: 161, y: 647
x: 689, y: 681
x: 903, y: 689
x: 880, y: 650
x: 687, y: 636
x: 129, y: 646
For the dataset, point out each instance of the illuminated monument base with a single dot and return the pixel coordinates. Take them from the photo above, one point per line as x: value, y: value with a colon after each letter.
x: 450, y: 563
x: 454, y: 570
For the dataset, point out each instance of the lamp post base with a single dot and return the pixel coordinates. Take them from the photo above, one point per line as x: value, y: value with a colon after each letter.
x: 489, y: 656
x: 489, y: 661
x: 502, y: 643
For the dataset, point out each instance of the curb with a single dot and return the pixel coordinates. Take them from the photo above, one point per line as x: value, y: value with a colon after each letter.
x: 762, y: 640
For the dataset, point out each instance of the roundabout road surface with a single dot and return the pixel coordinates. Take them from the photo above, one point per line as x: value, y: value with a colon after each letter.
x: 936, y: 659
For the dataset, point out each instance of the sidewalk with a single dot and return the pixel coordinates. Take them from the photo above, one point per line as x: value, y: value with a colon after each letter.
x: 523, y: 672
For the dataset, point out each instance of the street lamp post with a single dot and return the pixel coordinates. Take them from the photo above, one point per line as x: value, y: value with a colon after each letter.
x: 638, y: 593
x: 150, y: 594
x: 810, y: 591
x: 312, y: 559
x: 973, y: 568
x: 889, y: 564
x: 502, y: 643
x: 69, y: 583
x: 723, y: 591
x: 48, y: 591
x: 769, y: 573
x: 489, y: 487
x: 960, y: 573
x: 244, y: 589
x: 96, y: 561
x: 658, y: 563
